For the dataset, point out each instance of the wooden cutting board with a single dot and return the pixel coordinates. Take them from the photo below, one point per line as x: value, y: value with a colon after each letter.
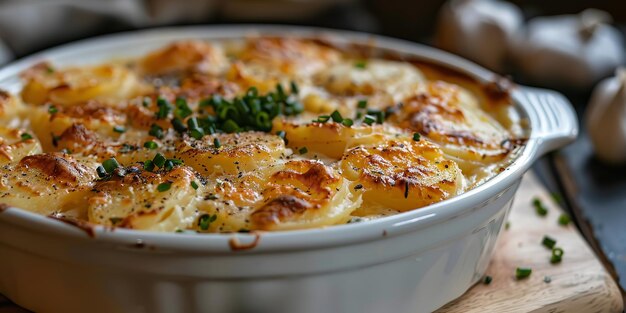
x: 579, y: 284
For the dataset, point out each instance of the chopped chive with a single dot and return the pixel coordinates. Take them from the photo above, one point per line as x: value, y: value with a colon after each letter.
x: 230, y: 126
x: 336, y: 116
x: 417, y: 136
x: 110, y: 165
x: 194, y: 185
x: 564, y: 219
x: 148, y: 165
x: 101, y: 171
x: 347, y: 122
x: 557, y: 255
x: 522, y: 272
x: 26, y: 136
x: 322, y: 119
x: 487, y: 280
x: 164, y: 108
x: 146, y: 102
x: 55, y: 139
x: 280, y: 91
x: 119, y: 129
x: 159, y: 160
x: 362, y: 104
x: 539, y: 207
x: 156, y: 131
x: 303, y: 150
x: 178, y: 125
x: 369, y: 120
x: 52, y: 109
x: 196, y: 133
x: 150, y: 145
x: 294, y: 88
x: 548, y: 242
x: 164, y: 186
x: 168, y: 165
x: 217, y: 143
x: 360, y: 64
x: 205, y: 220
x: 182, y: 109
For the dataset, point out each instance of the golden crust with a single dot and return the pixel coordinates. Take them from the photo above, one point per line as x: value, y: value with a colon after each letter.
x: 402, y: 175
x: 67, y: 122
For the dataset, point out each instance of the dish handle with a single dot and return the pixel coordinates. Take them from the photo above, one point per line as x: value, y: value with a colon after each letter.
x: 553, y: 120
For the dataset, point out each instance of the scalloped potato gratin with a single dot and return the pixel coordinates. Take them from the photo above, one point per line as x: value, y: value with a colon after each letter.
x: 263, y: 133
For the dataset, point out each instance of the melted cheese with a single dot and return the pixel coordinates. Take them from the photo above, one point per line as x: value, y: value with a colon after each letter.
x: 320, y: 174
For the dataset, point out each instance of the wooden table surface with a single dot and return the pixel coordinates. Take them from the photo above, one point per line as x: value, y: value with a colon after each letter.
x: 579, y: 283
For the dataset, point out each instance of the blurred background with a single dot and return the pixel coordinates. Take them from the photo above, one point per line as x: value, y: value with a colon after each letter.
x: 30, y: 25
x: 589, y: 187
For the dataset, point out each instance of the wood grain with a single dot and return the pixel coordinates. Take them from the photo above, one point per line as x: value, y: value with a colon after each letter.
x: 580, y: 283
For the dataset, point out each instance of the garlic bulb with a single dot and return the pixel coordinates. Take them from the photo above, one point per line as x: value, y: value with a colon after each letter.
x: 569, y: 50
x: 605, y: 118
x: 479, y: 30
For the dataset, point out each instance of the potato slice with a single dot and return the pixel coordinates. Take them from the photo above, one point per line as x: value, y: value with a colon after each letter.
x: 162, y: 201
x: 401, y: 174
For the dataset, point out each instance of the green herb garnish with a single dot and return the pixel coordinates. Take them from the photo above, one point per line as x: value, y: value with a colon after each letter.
x: 194, y: 185
x: 110, y: 165
x: 52, y: 109
x: 564, y: 219
x: 159, y: 160
x: 148, y: 165
x: 369, y: 120
x: 156, y: 131
x: 26, y: 136
x: 322, y: 119
x: 347, y: 122
x: 362, y: 104
x: 303, y: 150
x: 557, y: 255
x: 182, y: 109
x: 217, y: 143
x: 164, y: 108
x: 150, y: 145
x: 164, y: 186
x: 294, y: 88
x: 417, y: 136
x: 539, y: 207
x: 360, y: 64
x: 487, y: 280
x: 178, y: 125
x: 522, y: 272
x: 102, y: 173
x: 548, y: 242
x: 205, y: 220
x: 336, y: 116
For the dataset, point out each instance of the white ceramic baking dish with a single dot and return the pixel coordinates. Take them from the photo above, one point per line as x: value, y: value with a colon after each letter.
x: 412, y: 262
